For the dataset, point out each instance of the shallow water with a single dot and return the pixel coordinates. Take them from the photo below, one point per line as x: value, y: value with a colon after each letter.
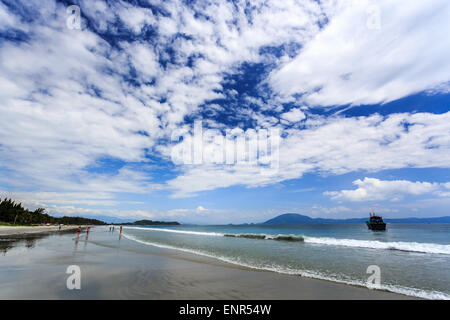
x: 412, y: 259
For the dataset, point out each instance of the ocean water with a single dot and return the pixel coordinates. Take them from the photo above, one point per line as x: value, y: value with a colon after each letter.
x: 412, y: 259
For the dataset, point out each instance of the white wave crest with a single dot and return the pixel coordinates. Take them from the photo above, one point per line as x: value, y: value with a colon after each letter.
x: 414, y: 292
x: 370, y: 244
x: 418, y: 247
x: 256, y: 236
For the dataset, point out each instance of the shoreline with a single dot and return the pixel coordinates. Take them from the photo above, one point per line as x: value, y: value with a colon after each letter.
x: 6, y: 231
x: 177, y: 253
x: 120, y: 268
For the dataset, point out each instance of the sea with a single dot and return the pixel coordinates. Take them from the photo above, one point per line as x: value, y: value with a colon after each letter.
x: 410, y: 259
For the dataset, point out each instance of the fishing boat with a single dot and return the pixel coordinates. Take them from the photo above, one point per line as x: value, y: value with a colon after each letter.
x: 376, y: 223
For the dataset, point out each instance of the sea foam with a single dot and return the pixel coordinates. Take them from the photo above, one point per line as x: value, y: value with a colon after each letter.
x: 418, y: 247
x: 371, y: 244
x: 424, y: 294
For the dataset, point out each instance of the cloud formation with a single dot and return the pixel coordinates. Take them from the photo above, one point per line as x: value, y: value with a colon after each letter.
x: 335, y: 145
x: 70, y: 98
x: 372, y: 189
x: 88, y: 114
x: 371, y: 52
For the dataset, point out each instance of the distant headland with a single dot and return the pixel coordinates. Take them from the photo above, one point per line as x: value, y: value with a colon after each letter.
x: 295, y: 218
x: 149, y: 223
x: 14, y: 214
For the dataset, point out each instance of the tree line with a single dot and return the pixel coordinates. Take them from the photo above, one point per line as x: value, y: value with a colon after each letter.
x: 14, y: 213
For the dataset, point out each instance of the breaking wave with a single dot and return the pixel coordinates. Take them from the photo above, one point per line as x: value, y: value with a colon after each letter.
x: 370, y: 244
x: 418, y: 247
x: 425, y: 294
x: 280, y: 237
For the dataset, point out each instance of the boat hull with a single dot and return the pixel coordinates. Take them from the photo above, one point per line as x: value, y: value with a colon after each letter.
x: 377, y: 227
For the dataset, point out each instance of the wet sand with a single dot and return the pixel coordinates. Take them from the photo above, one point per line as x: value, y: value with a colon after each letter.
x: 17, y: 231
x: 111, y: 268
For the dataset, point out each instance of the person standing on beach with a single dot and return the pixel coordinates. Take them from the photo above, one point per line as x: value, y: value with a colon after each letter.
x: 78, y: 234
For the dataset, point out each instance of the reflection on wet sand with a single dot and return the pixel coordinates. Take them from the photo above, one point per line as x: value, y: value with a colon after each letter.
x: 113, y: 267
x: 29, y: 241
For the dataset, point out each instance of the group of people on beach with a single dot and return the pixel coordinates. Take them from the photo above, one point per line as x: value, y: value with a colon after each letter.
x: 87, y: 230
x: 111, y: 228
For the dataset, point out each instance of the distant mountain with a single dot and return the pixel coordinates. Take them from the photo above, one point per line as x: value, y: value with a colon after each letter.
x: 290, y: 218
x: 150, y: 223
x: 294, y: 218
x: 110, y: 220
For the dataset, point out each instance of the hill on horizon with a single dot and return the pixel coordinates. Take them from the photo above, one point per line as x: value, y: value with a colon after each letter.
x: 295, y: 218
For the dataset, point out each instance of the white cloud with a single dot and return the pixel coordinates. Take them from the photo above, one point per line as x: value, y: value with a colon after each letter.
x: 352, y: 61
x: 67, y: 102
x: 372, y: 189
x: 45, y: 199
x: 135, y: 18
x: 293, y: 115
x: 7, y: 20
x: 143, y: 58
x: 201, y: 209
x: 335, y: 145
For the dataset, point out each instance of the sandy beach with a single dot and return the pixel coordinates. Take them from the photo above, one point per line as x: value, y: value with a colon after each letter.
x: 34, y: 267
x: 25, y: 230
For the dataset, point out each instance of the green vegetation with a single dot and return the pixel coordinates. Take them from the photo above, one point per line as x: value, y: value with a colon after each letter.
x: 12, y: 213
x: 7, y: 224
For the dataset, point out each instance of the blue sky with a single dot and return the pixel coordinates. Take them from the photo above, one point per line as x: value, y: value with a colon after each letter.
x: 93, y: 109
